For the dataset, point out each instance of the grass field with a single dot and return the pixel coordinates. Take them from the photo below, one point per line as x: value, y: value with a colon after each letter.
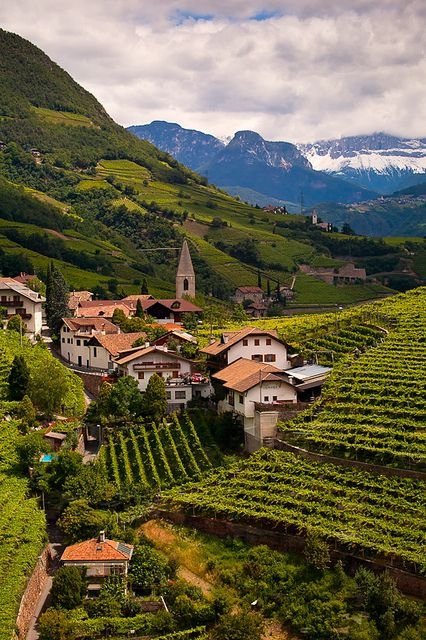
x: 63, y: 117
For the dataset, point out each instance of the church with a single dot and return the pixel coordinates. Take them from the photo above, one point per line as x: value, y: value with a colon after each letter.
x: 185, y: 275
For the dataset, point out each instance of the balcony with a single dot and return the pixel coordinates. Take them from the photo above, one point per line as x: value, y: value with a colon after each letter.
x: 11, y: 303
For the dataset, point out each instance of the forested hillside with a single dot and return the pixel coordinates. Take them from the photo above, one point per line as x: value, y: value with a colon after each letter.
x: 109, y: 199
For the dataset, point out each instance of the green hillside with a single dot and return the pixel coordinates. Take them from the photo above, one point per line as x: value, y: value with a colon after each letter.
x: 97, y: 180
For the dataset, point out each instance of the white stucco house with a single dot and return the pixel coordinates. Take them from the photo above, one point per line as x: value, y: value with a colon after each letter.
x: 75, y: 336
x: 249, y: 343
x: 182, y: 383
x: 255, y: 391
x: 18, y: 299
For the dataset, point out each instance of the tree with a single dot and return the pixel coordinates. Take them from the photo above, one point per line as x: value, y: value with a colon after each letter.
x: 347, y: 229
x: 148, y: 568
x: 57, y: 294
x: 118, y: 317
x: 19, y: 378
x: 15, y: 324
x: 139, y: 309
x: 259, y: 279
x: 48, y: 385
x: 144, y: 287
x: 124, y: 400
x: 55, y: 625
x: 316, y: 551
x: 79, y: 521
x: 26, y: 413
x: 68, y: 588
x: 154, y: 402
x: 29, y: 449
x: 240, y: 626
x: 268, y: 288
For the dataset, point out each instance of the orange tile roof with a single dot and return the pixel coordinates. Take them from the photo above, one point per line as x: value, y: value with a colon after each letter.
x: 76, y: 297
x: 89, y: 310
x: 219, y: 346
x: 118, y: 342
x: 144, y: 351
x: 243, y: 374
x: 93, y: 550
x: 139, y: 296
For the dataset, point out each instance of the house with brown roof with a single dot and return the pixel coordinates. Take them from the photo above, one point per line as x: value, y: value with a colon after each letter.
x: 75, y: 335
x: 249, y: 343
x: 18, y: 299
x: 248, y: 388
x: 254, y: 294
x: 75, y: 297
x: 170, y: 310
x: 100, y: 557
x: 182, y: 383
x: 105, y: 348
x: 104, y: 308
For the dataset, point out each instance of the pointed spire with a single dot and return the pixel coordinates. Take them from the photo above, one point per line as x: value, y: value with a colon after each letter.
x: 185, y: 267
x: 185, y: 276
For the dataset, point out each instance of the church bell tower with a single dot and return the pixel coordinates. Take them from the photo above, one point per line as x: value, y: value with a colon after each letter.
x: 185, y: 276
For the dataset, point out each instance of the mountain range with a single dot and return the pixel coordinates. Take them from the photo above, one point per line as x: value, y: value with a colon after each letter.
x: 346, y: 170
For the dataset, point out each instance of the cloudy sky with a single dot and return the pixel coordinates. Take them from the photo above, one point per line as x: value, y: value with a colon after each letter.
x: 297, y: 70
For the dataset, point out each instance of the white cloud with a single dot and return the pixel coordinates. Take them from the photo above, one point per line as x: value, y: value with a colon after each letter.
x: 314, y: 69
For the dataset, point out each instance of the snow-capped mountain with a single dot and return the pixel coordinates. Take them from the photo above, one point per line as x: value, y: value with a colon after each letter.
x: 380, y: 162
x: 256, y: 169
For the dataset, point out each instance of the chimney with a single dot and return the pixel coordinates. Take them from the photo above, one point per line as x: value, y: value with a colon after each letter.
x: 146, y: 345
x: 102, y: 536
x: 165, y: 348
x: 225, y: 338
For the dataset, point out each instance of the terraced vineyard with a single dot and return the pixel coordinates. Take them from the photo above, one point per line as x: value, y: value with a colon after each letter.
x: 156, y: 456
x: 375, y: 409
x: 22, y: 526
x: 359, y: 511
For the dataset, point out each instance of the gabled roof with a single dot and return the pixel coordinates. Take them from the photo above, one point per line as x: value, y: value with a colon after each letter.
x: 22, y: 289
x: 139, y: 296
x: 98, y: 324
x: 118, y: 342
x: 176, y: 333
x: 230, y: 338
x: 256, y: 290
x: 93, y: 550
x: 145, y: 351
x: 244, y: 374
x: 173, y: 304
x: 102, y: 308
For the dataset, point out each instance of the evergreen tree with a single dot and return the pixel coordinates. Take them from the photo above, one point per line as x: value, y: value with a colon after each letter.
x: 15, y: 324
x: 57, y: 294
x: 68, y: 588
x: 259, y: 280
x: 268, y: 289
x: 19, y: 378
x: 139, y: 309
x: 154, y: 402
x: 278, y: 291
x: 144, y: 287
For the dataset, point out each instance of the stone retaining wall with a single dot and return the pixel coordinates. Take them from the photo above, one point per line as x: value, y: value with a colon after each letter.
x: 408, y: 583
x: 347, y: 462
x: 32, y: 593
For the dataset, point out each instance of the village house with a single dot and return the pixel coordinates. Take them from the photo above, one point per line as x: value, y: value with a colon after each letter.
x: 100, y: 558
x: 18, y: 299
x: 75, y: 297
x: 347, y: 274
x: 75, y: 335
x: 307, y: 380
x: 249, y: 343
x: 256, y: 310
x: 170, y: 310
x: 182, y: 383
x: 103, y: 308
x: 251, y: 294
x: 175, y: 336
x: 248, y: 388
x: 105, y: 348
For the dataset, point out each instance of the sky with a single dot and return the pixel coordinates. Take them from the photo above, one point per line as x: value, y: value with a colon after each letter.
x: 294, y: 70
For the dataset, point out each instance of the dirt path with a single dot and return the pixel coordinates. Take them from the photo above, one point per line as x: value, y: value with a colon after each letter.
x: 274, y: 631
x: 165, y: 540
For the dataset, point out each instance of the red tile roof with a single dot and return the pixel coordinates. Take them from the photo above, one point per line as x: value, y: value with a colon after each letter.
x: 145, y: 351
x: 179, y: 305
x: 93, y: 550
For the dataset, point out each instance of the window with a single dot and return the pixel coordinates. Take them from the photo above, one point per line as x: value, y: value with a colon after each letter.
x: 241, y: 399
x: 245, y: 342
x: 78, y: 343
x: 268, y: 341
x: 68, y: 340
x: 258, y: 357
x: 175, y: 374
x: 256, y: 342
x: 63, y: 339
x: 86, y: 343
x: 95, y: 352
x: 274, y: 398
x: 185, y: 284
x: 141, y: 375
x: 180, y: 395
x: 72, y: 340
x: 270, y: 357
x: 265, y: 398
x: 168, y: 395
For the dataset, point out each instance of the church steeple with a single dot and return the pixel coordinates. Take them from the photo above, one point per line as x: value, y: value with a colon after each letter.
x: 185, y: 276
